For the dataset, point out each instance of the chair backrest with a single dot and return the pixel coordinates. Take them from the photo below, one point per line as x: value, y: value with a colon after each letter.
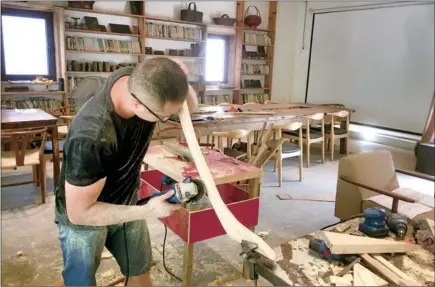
x: 315, y: 117
x: 338, y: 117
x: 234, y: 134
x: 374, y: 169
x: 20, y: 140
x: 293, y: 126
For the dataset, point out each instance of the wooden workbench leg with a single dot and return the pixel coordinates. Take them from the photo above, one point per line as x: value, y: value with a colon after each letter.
x: 56, y: 160
x: 188, y: 262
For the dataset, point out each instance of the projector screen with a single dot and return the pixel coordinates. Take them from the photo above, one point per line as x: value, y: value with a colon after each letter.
x: 378, y: 61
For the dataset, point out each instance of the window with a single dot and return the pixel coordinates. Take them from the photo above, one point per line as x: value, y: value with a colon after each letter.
x: 216, y: 65
x: 27, y: 45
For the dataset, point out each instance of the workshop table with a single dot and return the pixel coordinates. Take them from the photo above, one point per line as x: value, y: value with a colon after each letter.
x: 298, y: 266
x: 244, y: 205
x: 35, y: 118
x: 266, y: 113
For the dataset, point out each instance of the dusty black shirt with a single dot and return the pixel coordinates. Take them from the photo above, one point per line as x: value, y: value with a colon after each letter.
x: 102, y: 144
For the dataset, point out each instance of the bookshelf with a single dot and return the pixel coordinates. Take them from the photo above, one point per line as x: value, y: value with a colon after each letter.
x: 80, y: 49
x: 255, y: 58
x: 99, y: 51
x: 181, y: 40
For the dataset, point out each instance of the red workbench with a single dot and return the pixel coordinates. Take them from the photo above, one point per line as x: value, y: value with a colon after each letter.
x: 194, y: 223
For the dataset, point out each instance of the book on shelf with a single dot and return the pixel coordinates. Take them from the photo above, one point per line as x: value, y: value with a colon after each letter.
x: 46, y: 104
x: 213, y: 100
x: 102, y: 45
x: 260, y: 39
x: 257, y: 98
x: 255, y: 69
x: 174, y: 32
x: 195, y: 68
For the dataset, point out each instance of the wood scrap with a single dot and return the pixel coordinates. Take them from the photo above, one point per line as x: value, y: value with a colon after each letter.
x: 234, y: 229
x: 347, y: 268
x: 341, y: 281
x: 349, y: 244
x: 397, y: 271
x: 364, y: 277
x: 378, y: 267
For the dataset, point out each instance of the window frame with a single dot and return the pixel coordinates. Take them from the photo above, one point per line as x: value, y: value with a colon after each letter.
x: 227, y: 40
x: 51, y: 47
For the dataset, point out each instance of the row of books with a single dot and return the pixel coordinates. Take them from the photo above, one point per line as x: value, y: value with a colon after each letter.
x: 195, y: 68
x: 102, y: 45
x: 260, y: 39
x: 46, y: 104
x: 174, y: 32
x: 258, y: 69
x: 257, y: 98
x: 213, y: 100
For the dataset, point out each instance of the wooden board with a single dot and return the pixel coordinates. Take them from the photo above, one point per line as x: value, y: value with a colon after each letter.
x: 350, y: 244
x: 364, y: 277
x: 409, y: 281
x: 376, y: 266
x: 232, y: 226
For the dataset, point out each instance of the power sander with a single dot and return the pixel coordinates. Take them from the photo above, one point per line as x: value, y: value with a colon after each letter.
x: 188, y: 191
x: 378, y: 223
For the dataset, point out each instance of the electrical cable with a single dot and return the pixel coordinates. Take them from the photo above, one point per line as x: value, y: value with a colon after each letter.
x: 126, y: 254
x: 163, y: 251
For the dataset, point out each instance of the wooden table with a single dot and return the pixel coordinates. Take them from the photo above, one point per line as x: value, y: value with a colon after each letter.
x: 35, y: 118
x: 223, y: 172
x: 272, y: 114
x: 298, y: 266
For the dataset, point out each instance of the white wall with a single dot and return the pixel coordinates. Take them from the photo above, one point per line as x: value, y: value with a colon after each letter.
x: 301, y: 38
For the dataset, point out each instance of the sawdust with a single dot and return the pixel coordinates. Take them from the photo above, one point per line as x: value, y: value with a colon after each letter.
x: 294, y: 273
x: 222, y: 280
x: 417, y: 272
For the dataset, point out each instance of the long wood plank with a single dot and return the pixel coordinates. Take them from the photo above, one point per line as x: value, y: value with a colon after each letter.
x: 364, y: 277
x: 351, y: 244
x: 376, y: 266
x: 232, y: 226
x: 409, y: 280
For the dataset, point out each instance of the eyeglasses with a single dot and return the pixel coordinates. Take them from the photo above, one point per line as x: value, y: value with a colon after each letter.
x: 165, y: 119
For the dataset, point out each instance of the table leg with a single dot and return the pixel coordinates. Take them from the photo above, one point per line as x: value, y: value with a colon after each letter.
x: 343, y: 145
x: 254, y: 191
x: 56, y: 160
x: 188, y: 262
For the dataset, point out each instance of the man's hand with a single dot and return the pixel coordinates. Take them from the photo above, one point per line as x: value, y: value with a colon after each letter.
x: 160, y: 207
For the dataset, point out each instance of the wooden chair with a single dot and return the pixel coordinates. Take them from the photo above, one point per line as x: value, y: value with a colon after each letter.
x: 230, y: 136
x: 334, y: 131
x: 309, y: 135
x: 23, y: 154
x: 287, y: 149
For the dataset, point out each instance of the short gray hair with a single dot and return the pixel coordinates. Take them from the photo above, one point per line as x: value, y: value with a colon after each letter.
x: 159, y: 79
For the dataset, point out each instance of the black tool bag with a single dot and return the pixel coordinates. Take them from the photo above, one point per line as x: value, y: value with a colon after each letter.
x: 191, y: 15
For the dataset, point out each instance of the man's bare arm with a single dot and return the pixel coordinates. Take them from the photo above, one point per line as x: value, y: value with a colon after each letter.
x: 84, y: 209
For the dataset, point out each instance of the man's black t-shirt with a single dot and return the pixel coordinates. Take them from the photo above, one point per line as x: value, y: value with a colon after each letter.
x: 101, y: 144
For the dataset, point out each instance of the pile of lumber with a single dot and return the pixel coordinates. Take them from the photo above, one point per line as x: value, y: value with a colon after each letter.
x: 370, y: 268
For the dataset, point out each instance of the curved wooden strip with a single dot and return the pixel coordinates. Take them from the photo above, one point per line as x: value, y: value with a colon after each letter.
x: 232, y: 226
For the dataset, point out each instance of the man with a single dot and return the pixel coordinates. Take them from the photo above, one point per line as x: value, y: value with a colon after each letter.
x: 102, y: 157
